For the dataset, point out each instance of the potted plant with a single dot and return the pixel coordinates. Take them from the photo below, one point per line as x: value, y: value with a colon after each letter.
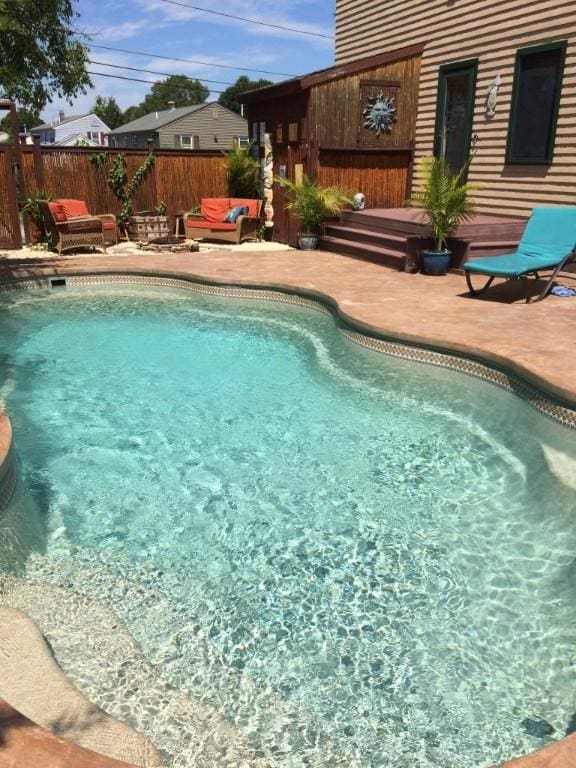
x: 444, y: 197
x: 312, y: 204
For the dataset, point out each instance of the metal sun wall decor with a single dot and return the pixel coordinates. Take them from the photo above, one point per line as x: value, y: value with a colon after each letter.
x: 380, y: 113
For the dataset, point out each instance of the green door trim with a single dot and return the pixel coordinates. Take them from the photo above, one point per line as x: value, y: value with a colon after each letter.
x: 470, y: 66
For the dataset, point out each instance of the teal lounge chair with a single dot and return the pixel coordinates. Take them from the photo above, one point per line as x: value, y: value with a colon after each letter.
x: 548, y: 243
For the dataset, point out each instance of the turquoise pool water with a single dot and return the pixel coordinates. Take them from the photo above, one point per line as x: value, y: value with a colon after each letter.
x: 359, y: 560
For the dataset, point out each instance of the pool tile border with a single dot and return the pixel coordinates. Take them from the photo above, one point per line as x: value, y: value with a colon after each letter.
x: 544, y: 403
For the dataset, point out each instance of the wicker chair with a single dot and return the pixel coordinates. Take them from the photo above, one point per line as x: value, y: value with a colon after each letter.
x: 68, y: 231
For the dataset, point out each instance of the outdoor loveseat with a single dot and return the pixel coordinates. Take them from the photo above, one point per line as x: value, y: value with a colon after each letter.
x: 71, y: 225
x: 219, y: 219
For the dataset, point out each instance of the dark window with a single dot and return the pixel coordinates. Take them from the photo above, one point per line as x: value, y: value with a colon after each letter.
x: 535, y: 100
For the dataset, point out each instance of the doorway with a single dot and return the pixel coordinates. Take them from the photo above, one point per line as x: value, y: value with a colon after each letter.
x: 455, y: 111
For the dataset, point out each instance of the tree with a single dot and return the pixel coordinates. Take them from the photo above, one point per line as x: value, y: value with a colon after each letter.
x: 27, y: 118
x: 182, y: 90
x: 231, y: 96
x: 39, y: 58
x: 108, y: 110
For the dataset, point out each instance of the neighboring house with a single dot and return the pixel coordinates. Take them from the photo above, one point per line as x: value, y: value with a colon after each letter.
x: 68, y: 131
x: 202, y: 126
x: 493, y: 76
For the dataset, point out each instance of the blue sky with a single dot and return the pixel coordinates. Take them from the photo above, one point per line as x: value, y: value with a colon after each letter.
x: 160, y: 28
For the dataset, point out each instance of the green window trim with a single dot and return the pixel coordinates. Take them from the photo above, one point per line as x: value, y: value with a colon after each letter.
x: 471, y: 66
x: 511, y: 157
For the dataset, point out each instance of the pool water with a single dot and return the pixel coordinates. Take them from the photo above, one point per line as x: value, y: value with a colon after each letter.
x: 360, y: 560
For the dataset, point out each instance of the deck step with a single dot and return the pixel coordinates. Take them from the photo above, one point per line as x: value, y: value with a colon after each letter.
x: 387, y: 257
x: 478, y: 249
x: 374, y: 237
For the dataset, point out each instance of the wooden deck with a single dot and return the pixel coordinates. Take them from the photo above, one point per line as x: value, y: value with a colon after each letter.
x: 393, y: 237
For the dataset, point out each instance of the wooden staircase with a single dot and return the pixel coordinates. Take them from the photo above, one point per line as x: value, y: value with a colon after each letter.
x: 394, y: 237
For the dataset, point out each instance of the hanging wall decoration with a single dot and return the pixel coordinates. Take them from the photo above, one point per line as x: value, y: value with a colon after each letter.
x: 380, y: 113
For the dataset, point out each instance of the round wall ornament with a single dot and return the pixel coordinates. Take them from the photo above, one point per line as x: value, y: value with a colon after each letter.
x: 380, y: 113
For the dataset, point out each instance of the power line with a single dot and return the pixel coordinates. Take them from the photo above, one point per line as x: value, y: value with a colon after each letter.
x: 186, y: 61
x: 153, y: 72
x: 249, y: 21
x: 139, y: 80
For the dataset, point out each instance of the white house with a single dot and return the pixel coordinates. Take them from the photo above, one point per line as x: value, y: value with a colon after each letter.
x: 71, y: 131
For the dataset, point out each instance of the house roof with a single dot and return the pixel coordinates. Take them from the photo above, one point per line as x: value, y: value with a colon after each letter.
x: 46, y: 126
x: 303, y: 83
x: 155, y: 120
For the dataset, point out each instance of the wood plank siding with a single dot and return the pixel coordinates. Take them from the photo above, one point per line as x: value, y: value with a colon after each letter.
x: 215, y: 126
x: 490, y: 32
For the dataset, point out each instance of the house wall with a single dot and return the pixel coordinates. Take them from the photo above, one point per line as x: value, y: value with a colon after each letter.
x: 84, y: 125
x: 216, y: 127
x: 491, y: 31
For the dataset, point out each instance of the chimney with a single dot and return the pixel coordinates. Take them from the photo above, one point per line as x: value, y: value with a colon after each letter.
x: 172, y: 105
x: 61, y: 115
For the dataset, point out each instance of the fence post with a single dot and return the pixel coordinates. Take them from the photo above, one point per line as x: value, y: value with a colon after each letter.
x: 38, y: 163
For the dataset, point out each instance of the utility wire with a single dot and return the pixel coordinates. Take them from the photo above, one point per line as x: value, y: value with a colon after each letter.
x: 153, y: 72
x: 140, y: 80
x: 186, y: 61
x: 249, y: 21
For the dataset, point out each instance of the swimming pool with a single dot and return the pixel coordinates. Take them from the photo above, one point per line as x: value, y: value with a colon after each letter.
x: 355, y: 559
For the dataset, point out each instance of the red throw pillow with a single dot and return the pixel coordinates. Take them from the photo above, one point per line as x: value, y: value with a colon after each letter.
x: 57, y: 211
x: 74, y: 208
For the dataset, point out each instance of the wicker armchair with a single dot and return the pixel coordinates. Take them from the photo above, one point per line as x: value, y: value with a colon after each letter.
x: 70, y: 225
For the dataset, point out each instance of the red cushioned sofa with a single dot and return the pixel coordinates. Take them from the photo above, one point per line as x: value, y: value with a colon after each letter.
x: 71, y: 225
x: 210, y: 224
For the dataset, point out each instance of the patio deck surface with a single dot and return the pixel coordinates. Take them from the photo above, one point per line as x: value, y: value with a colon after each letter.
x: 535, y: 341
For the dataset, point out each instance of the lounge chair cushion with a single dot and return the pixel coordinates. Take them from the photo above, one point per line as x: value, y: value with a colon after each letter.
x: 549, y: 236
x: 214, y: 209
x: 57, y: 211
x: 220, y: 226
x: 74, y: 208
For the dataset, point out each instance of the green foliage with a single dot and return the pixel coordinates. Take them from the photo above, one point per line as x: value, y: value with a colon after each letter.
x: 39, y: 57
x: 444, y: 197
x: 182, y: 90
x: 132, y: 113
x: 230, y: 98
x: 31, y: 207
x: 98, y: 159
x: 108, y: 110
x: 313, y: 203
x: 123, y: 189
x: 242, y: 173
x: 160, y: 209
x: 27, y: 118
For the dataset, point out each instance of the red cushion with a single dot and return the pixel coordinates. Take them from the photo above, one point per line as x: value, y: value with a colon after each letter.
x: 218, y: 226
x: 74, y: 208
x: 252, y: 205
x: 214, y: 208
x: 57, y: 211
x: 108, y: 224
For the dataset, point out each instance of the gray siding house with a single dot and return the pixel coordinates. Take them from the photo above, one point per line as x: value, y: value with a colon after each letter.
x: 203, y: 126
x: 87, y: 130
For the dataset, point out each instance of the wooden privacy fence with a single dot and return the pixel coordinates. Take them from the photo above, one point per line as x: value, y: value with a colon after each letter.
x: 180, y: 179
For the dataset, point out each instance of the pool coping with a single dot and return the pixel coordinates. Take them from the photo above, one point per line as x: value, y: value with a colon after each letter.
x: 546, y: 397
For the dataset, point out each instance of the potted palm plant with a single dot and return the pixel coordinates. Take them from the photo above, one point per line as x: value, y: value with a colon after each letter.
x: 444, y: 197
x: 312, y: 204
